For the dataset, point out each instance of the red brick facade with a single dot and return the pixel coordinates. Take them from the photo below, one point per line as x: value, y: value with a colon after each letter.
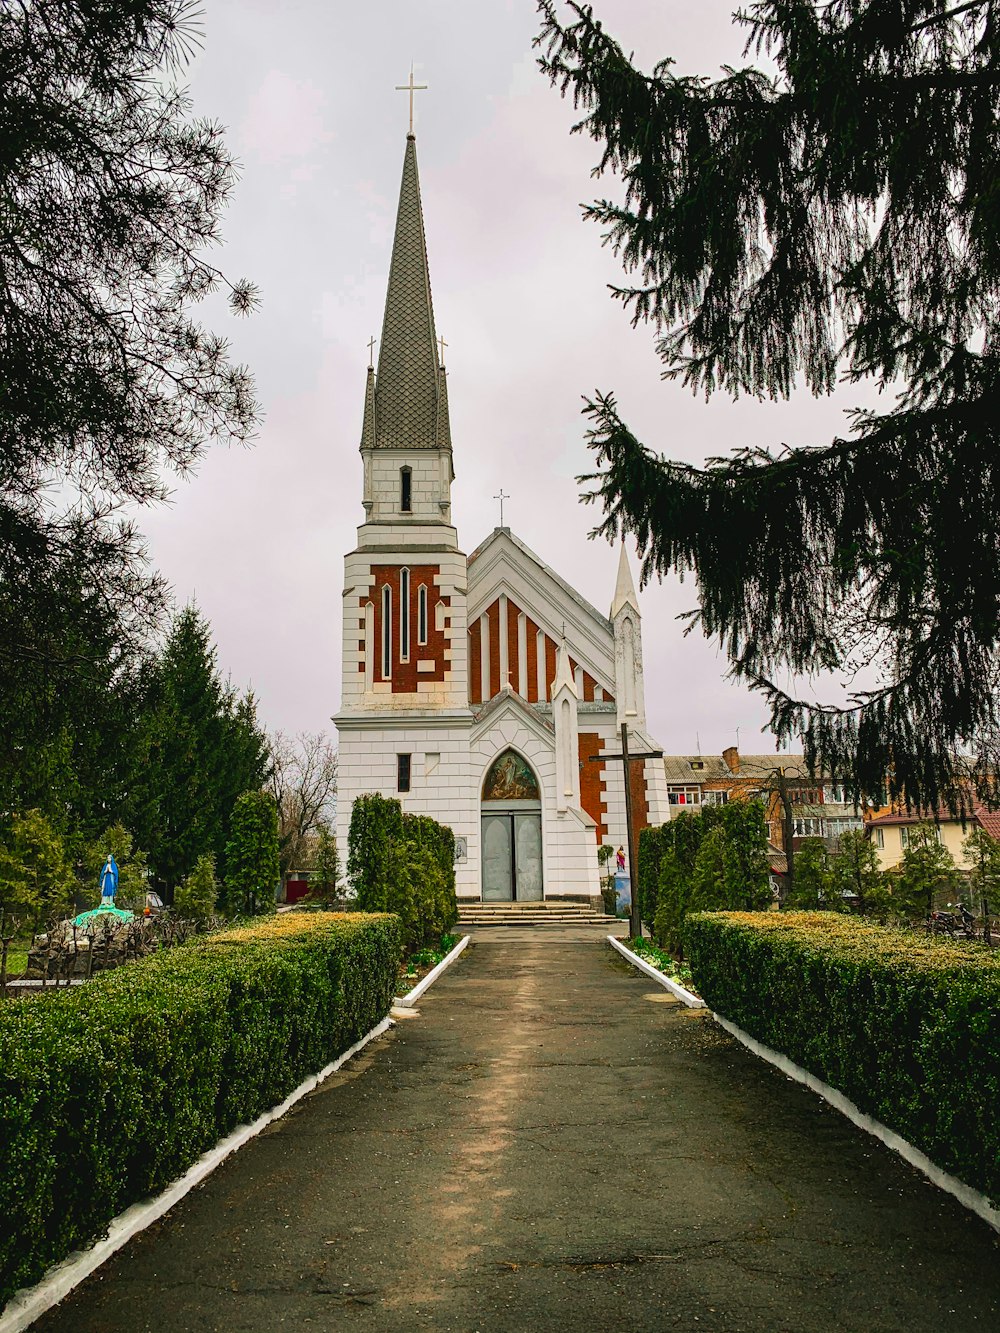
x: 404, y: 674
x: 492, y: 614
x: 591, y: 790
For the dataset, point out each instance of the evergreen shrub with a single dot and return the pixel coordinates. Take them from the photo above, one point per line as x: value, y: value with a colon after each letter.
x: 403, y: 864
x: 907, y: 1027
x: 652, y: 842
x: 708, y: 861
x: 110, y: 1091
x: 253, y: 863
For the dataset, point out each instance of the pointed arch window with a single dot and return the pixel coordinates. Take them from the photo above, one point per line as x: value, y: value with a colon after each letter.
x: 386, y: 632
x: 404, y: 615
x: 405, y: 490
x: 422, y: 615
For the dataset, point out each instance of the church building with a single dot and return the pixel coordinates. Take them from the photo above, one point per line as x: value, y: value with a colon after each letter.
x: 480, y: 689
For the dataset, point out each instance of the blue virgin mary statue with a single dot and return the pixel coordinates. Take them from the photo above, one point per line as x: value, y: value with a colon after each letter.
x: 109, y: 881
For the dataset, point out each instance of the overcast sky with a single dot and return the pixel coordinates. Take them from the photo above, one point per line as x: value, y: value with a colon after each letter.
x: 306, y: 92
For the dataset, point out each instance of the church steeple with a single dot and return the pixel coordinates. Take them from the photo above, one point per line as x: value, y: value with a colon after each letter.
x: 410, y: 403
x: 624, y: 588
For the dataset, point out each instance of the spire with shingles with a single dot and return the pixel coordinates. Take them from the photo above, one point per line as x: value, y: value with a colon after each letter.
x: 624, y: 588
x: 368, y: 427
x: 410, y: 406
x: 443, y: 432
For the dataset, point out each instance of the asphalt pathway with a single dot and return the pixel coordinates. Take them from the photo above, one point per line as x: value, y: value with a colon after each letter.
x: 553, y: 1144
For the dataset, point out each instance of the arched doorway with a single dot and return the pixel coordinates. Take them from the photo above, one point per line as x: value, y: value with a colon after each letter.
x: 512, y: 831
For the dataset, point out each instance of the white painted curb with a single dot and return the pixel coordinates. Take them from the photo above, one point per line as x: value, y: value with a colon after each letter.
x: 25, y: 1306
x: 682, y: 993
x: 965, y: 1194
x: 411, y: 997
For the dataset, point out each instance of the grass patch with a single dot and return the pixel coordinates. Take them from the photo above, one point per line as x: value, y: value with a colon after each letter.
x: 17, y: 961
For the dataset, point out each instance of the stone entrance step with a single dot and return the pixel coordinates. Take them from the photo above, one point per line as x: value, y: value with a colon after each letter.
x: 550, y: 912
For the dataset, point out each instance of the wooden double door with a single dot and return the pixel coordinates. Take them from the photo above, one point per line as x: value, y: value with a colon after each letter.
x: 512, y: 854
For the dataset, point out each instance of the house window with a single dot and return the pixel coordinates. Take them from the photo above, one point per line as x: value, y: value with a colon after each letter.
x: 403, y: 772
x: 422, y: 615
x: 386, y: 632
x: 405, y: 490
x: 808, y: 828
x: 879, y: 838
x: 715, y: 797
x: 904, y: 837
x: 404, y: 615
x: 805, y: 796
x: 847, y: 824
x: 836, y: 794
x: 684, y: 795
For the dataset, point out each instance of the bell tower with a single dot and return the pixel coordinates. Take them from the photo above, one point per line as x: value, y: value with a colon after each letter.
x: 404, y: 610
x: 404, y: 717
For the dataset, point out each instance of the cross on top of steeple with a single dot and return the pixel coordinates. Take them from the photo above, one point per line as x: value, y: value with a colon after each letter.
x: 411, y: 88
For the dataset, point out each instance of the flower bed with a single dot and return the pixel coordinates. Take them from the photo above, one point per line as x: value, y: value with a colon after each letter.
x: 110, y: 1091
x: 664, y: 962
x: 414, y: 968
x: 908, y: 1028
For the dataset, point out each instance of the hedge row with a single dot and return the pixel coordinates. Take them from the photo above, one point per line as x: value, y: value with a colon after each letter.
x: 907, y: 1028
x: 110, y: 1091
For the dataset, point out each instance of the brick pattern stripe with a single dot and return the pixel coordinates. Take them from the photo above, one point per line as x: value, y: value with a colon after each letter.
x: 492, y: 613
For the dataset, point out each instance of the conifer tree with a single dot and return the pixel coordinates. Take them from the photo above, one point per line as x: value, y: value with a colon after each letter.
x: 195, y: 897
x: 983, y: 855
x: 813, y: 886
x: 856, y: 873
x: 326, y: 866
x: 839, y: 219
x: 926, y: 872
x: 204, y: 749
x: 252, y: 868
x: 112, y: 195
x: 36, y: 879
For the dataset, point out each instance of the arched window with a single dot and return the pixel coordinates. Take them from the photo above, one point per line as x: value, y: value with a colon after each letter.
x: 386, y: 632
x: 422, y: 615
x: 404, y: 615
x: 405, y: 490
x: 510, y: 779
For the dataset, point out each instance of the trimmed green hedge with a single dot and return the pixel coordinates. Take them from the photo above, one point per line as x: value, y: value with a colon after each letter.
x: 110, y: 1091
x: 908, y: 1028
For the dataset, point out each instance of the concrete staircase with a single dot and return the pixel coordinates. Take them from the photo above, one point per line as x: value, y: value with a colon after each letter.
x: 550, y: 912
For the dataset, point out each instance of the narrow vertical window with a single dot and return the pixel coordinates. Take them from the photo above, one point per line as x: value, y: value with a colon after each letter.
x: 422, y: 615
x: 403, y: 772
x: 386, y: 632
x: 404, y: 615
x: 405, y: 489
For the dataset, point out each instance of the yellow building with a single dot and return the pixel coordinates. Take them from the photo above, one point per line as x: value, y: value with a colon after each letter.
x: 890, y: 832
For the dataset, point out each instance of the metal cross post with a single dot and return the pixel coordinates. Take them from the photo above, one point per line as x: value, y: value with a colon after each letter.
x: 371, y: 353
x: 635, y: 924
x: 501, y: 497
x: 411, y: 88
x: 443, y: 346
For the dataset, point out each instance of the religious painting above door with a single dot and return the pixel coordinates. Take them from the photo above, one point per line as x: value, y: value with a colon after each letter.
x: 510, y: 779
